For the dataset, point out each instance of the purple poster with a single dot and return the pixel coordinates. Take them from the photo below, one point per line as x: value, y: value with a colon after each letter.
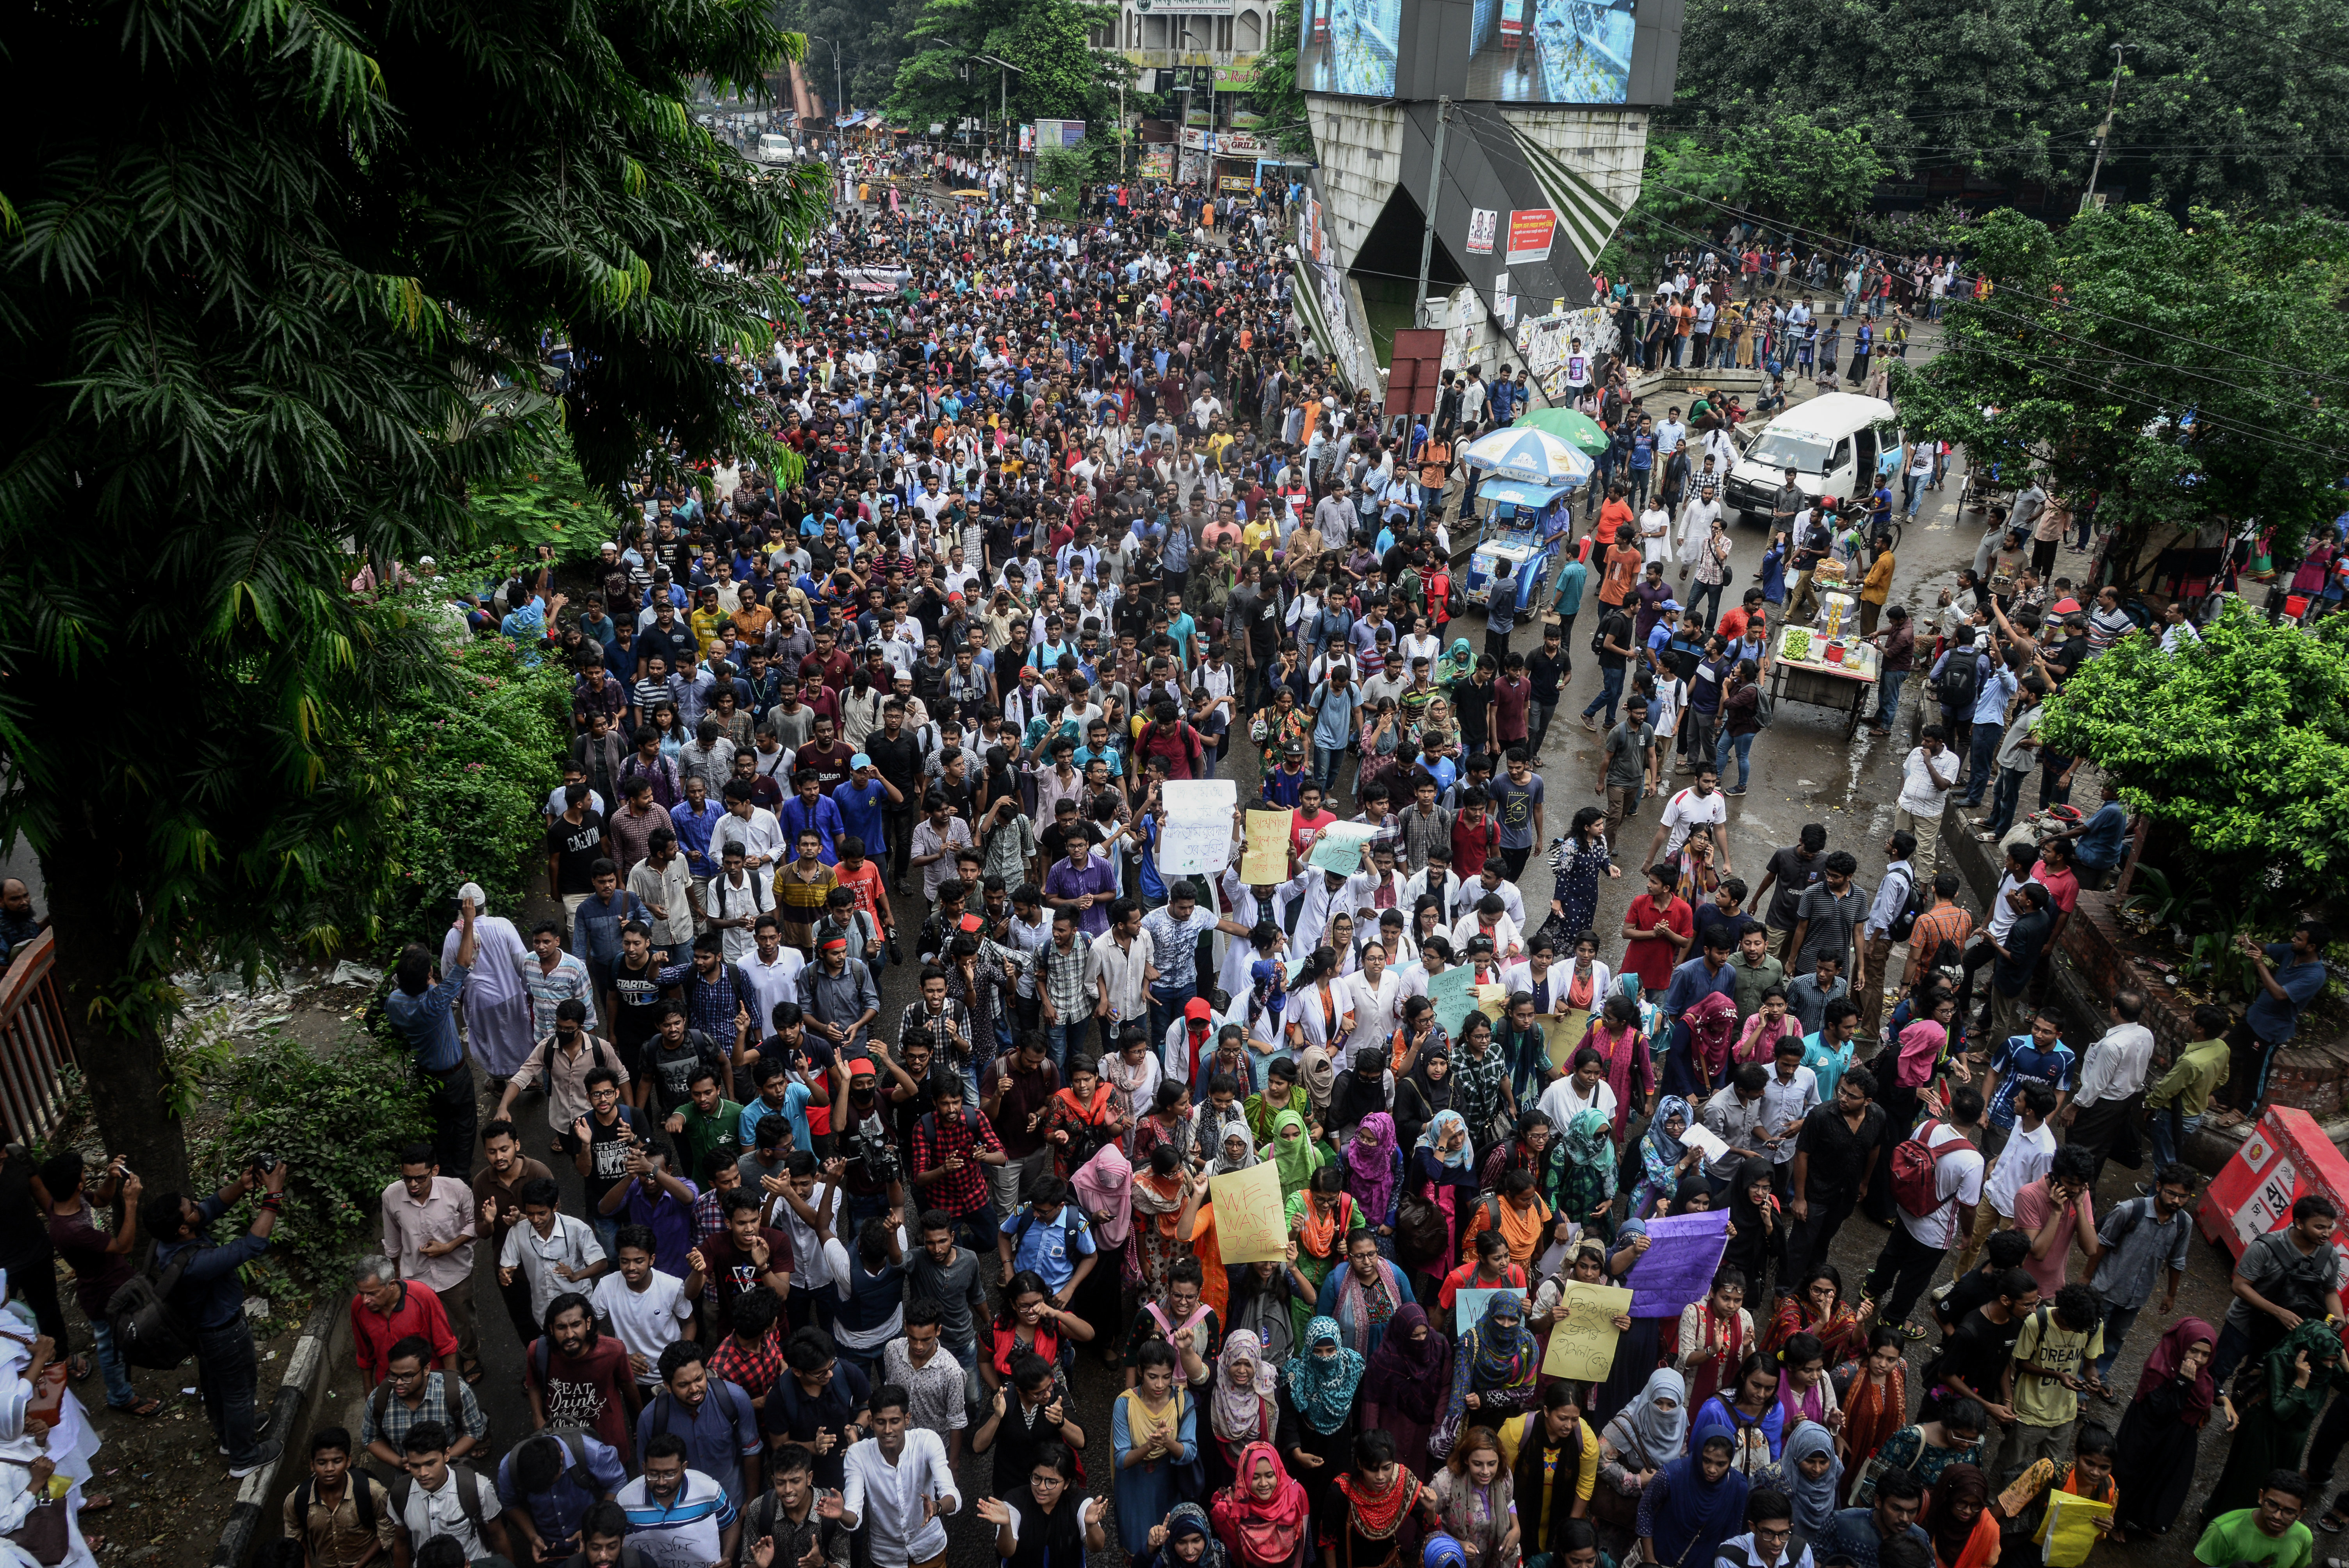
x: 1684, y: 1251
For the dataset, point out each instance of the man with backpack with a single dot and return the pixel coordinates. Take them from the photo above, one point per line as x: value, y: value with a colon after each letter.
x: 1890, y: 918
x: 412, y: 1394
x: 1936, y: 1176
x: 437, y: 1498
x: 549, y: 1483
x: 711, y: 1416
x: 338, y: 1515
x: 198, y: 1293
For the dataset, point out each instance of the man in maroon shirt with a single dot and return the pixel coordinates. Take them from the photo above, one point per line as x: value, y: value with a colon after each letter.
x: 1511, y: 705
x: 829, y: 664
x: 1015, y: 1093
x: 101, y: 1260
x: 577, y: 1377
x: 743, y: 1255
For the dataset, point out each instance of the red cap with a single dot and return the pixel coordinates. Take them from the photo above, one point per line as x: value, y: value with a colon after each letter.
x: 860, y: 1067
x: 1198, y: 1010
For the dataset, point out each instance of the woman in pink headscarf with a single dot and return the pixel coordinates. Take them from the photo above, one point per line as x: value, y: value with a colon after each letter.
x: 1103, y: 1189
x: 1373, y: 1171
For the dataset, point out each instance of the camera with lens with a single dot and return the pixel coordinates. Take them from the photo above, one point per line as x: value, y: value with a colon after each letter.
x: 264, y: 1163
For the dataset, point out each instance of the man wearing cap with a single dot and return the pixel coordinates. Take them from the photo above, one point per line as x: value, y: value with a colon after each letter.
x: 837, y: 997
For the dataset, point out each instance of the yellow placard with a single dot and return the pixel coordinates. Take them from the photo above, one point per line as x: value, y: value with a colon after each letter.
x: 1493, y: 1001
x: 2069, y: 1529
x: 1582, y: 1335
x: 1250, y: 1225
x: 1563, y: 1032
x: 1264, y: 862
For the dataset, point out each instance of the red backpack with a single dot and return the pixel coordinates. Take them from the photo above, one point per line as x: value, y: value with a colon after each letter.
x: 1913, y: 1160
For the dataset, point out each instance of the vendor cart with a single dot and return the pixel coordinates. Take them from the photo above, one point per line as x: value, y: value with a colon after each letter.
x: 1525, y: 526
x: 1845, y: 682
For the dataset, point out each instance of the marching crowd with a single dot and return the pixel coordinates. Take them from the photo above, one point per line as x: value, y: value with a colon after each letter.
x: 1073, y: 519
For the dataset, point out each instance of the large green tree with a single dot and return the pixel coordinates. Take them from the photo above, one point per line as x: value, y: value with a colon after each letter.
x: 2186, y: 372
x: 1061, y: 76
x: 282, y: 303
x: 2222, y: 105
x: 1791, y: 169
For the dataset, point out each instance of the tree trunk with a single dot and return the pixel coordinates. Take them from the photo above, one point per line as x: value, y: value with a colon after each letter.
x: 120, y: 1051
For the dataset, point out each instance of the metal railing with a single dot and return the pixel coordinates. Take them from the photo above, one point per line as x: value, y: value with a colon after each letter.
x: 34, y: 1044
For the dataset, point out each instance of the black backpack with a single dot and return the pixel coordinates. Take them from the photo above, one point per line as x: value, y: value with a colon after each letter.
x: 362, y: 1496
x: 1960, y: 676
x: 1911, y: 906
x: 148, y: 1329
x: 469, y: 1487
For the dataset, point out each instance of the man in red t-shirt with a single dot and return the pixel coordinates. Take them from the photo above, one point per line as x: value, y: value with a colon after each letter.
x: 1656, y: 932
x: 1475, y: 833
x: 577, y: 1377
x: 1305, y: 825
x: 743, y: 1255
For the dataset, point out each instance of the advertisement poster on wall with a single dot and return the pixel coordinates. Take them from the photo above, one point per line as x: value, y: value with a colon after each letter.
x: 1482, y: 223
x: 1531, y: 232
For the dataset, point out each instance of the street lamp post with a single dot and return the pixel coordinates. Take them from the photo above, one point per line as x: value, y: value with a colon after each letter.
x: 1003, y: 95
x: 839, y: 97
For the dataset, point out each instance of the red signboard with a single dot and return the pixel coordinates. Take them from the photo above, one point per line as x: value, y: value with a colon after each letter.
x: 2286, y: 1158
x: 1531, y: 229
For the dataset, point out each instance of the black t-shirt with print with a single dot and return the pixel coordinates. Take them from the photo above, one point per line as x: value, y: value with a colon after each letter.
x: 575, y: 848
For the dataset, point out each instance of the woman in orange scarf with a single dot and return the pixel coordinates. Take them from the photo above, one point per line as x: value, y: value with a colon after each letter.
x: 1875, y: 1406
x: 1080, y: 1119
x: 1960, y: 1519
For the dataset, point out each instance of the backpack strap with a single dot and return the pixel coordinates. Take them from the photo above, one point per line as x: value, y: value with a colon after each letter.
x: 380, y: 1402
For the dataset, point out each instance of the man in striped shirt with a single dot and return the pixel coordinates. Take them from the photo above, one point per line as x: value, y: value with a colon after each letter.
x: 676, y: 1514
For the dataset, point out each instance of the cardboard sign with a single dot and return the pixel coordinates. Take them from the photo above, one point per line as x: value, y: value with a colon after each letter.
x: 1339, y: 847
x: 1582, y: 1333
x: 1452, y: 994
x: 1251, y: 1225
x: 1265, y: 861
x: 1468, y: 1307
x: 1195, y: 837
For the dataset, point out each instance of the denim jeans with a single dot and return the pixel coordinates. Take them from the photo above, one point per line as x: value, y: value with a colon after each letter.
x: 1637, y: 486
x: 1325, y: 765
x: 1741, y: 744
x: 1983, y: 762
x: 1610, y: 692
x: 1165, y: 1007
x: 2116, y: 1326
x: 1888, y: 703
x: 1542, y: 714
x: 225, y: 1372
x: 119, y: 1394
x: 608, y: 1226
x: 1057, y: 1037
x: 2005, y: 800
x: 2169, y: 1133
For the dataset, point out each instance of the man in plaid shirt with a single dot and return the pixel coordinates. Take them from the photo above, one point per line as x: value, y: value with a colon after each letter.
x: 409, y: 1395
x: 1067, y: 965
x: 752, y: 1355
x: 950, y: 1146
x: 1481, y: 1085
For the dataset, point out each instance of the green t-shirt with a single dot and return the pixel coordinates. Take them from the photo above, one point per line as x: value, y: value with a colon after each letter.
x: 2236, y: 1538
x: 2044, y: 1401
x: 718, y: 1134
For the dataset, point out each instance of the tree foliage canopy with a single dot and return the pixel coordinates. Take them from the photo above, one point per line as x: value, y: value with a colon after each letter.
x: 1793, y: 169
x: 1061, y: 77
x: 285, y: 301
x: 2174, y: 370
x: 2222, y: 106
x: 2238, y: 744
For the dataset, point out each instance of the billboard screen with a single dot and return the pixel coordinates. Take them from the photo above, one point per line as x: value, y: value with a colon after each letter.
x: 1551, y: 51
x: 1349, y: 46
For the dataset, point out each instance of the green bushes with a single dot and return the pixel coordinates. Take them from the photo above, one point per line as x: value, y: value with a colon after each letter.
x: 475, y: 763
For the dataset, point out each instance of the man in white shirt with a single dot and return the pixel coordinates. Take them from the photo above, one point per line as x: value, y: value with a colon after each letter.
x: 899, y: 1487
x: 734, y: 901
x: 2112, y: 1076
x: 1492, y: 879
x: 645, y: 1309
x: 1915, y: 1248
x: 554, y: 1251
x: 437, y: 1498
x: 1700, y: 808
x: 771, y: 971
x: 1927, y: 777
x: 1788, y: 1095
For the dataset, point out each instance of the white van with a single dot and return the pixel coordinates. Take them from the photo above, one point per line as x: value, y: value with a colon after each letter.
x: 1831, y: 442
x: 773, y: 148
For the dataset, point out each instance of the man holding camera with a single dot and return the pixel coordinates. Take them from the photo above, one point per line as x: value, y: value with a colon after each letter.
x: 209, y: 1297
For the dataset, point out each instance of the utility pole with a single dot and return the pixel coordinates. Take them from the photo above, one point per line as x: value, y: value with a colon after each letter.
x: 2105, y: 129
x: 1435, y: 191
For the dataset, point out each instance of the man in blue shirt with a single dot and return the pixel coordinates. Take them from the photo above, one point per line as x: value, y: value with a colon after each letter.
x: 421, y: 1011
x: 2039, y: 1056
x: 712, y: 1417
x: 1994, y: 686
x: 2102, y: 839
x: 861, y: 799
x: 1334, y: 702
x: 209, y: 1295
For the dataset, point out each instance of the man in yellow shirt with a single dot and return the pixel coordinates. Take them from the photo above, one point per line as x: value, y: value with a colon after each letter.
x: 705, y: 620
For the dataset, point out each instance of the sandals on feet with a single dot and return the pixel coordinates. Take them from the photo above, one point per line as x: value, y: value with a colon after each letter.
x: 145, y: 1409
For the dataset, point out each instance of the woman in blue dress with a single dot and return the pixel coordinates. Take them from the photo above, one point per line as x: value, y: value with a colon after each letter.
x: 1154, y: 1438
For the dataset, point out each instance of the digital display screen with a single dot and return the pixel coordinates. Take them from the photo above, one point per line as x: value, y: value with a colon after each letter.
x: 1551, y: 51
x: 1349, y: 46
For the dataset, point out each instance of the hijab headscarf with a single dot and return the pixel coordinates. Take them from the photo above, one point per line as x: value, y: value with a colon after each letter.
x: 1920, y: 1047
x: 1363, y: 1092
x: 1187, y: 1520
x: 2169, y: 1357
x: 1438, y: 1096
x: 1319, y: 1074
x: 1582, y: 1162
x: 1105, y: 1186
x: 1268, y: 1530
x: 1492, y: 1356
x: 1371, y: 1172
x: 1694, y: 1517
x: 1432, y: 1140
x: 1711, y: 1023
x: 1323, y: 1387
x: 1407, y: 1375
x: 1297, y: 1158
x: 1958, y: 1483
x: 1219, y: 1164
x: 1659, y: 1152
x: 1236, y: 1414
x: 1815, y: 1500
x: 1654, y: 1434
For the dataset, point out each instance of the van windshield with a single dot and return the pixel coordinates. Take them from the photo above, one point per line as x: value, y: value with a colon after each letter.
x: 1783, y: 449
